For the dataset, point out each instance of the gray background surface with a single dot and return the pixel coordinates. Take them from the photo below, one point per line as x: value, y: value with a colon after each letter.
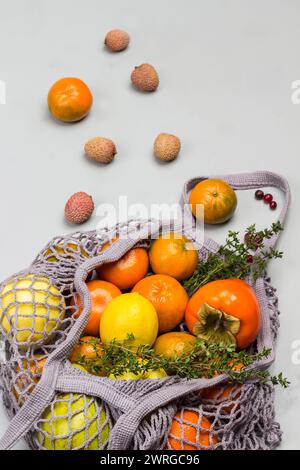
x: 226, y: 69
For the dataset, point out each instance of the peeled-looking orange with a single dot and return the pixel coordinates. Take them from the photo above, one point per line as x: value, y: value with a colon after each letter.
x: 218, y: 199
x: 173, y: 254
x: 69, y: 99
x: 167, y: 296
x: 184, y: 434
x: 101, y: 293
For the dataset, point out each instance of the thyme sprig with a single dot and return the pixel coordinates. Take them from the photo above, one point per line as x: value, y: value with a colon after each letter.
x: 236, y: 258
x: 202, y: 360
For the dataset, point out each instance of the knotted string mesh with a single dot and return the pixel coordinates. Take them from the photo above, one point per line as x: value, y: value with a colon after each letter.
x: 56, y: 406
x: 228, y: 417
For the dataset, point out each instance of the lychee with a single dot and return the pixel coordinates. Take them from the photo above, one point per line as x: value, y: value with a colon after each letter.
x: 100, y: 150
x: 117, y: 40
x: 166, y: 147
x: 79, y: 208
x: 145, y: 78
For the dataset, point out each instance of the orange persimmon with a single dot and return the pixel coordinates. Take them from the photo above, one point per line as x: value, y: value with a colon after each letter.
x: 69, y: 99
x: 224, y: 311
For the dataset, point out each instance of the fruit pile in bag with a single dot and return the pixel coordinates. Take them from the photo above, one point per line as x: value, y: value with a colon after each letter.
x: 159, y: 311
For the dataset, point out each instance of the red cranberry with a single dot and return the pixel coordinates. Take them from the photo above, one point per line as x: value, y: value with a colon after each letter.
x: 259, y: 194
x: 273, y: 205
x: 268, y: 198
x: 250, y: 259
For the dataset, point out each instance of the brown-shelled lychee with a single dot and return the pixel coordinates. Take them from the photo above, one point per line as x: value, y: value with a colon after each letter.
x: 166, y: 147
x: 100, y: 149
x: 145, y: 78
x: 117, y: 40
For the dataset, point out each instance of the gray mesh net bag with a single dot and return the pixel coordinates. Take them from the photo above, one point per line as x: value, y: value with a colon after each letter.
x: 57, y: 406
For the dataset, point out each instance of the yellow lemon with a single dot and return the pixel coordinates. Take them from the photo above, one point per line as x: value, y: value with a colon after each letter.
x: 31, y: 307
x: 63, y: 250
x: 58, y: 432
x: 155, y: 374
x: 126, y: 376
x: 129, y: 314
x: 150, y: 374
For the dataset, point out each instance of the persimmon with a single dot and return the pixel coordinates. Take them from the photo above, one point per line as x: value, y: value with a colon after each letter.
x: 225, y: 312
x: 218, y: 199
x: 168, y: 297
x: 101, y: 293
x: 173, y: 254
x: 126, y: 271
x: 69, y: 99
x: 184, y: 433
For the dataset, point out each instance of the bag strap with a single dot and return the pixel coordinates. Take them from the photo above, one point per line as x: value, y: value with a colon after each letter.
x: 242, y: 181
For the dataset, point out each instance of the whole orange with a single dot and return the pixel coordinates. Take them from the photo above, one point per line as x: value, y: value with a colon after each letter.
x: 88, y: 347
x: 184, y: 435
x: 128, y: 270
x: 69, y: 99
x: 101, y: 293
x: 168, y: 297
x: 218, y: 199
x: 28, y: 377
x: 174, y: 344
x: 229, y: 391
x: 173, y: 254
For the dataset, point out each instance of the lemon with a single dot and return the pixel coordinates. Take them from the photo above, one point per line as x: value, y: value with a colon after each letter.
x: 155, y: 374
x: 62, y: 250
x: 126, y: 376
x: 58, y: 432
x: 150, y: 374
x: 129, y: 314
x: 32, y: 307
